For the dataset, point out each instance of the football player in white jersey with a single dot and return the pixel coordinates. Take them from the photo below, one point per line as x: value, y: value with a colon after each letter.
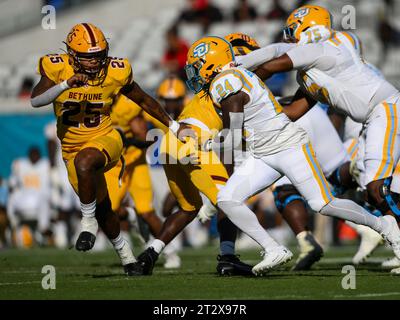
x: 332, y: 72
x: 29, y: 197
x: 277, y: 147
x: 335, y: 163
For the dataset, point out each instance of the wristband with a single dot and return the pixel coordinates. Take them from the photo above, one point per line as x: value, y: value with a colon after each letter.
x: 174, y: 127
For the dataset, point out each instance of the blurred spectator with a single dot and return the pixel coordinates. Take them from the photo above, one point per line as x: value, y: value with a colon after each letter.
x: 201, y: 11
x: 388, y: 35
x: 277, y: 12
x: 174, y: 58
x: 62, y: 197
x: 244, y: 12
x: 29, y: 203
x: 26, y: 88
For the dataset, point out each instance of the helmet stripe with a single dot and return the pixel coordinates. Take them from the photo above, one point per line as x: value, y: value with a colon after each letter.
x: 229, y: 44
x: 91, y: 34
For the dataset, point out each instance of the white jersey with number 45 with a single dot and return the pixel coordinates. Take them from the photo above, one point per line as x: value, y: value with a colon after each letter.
x: 267, y: 130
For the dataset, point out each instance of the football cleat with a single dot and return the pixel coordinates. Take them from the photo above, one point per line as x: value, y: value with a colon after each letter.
x: 370, y: 239
x: 271, y: 259
x: 310, y: 251
x: 230, y: 265
x: 147, y: 260
x: 85, y: 241
x: 133, y: 269
x: 125, y: 254
x: 395, y: 271
x: 391, y: 263
x: 172, y: 261
x: 392, y: 234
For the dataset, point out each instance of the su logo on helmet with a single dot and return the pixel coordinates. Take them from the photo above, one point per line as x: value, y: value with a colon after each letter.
x: 301, y: 13
x: 201, y: 49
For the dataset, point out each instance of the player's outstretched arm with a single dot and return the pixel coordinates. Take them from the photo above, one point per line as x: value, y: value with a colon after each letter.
x: 152, y: 107
x: 300, y: 104
x: 280, y: 64
x: 46, y: 91
x: 260, y: 56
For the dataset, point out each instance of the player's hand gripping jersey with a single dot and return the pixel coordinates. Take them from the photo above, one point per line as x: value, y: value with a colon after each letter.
x: 267, y: 130
x: 186, y: 180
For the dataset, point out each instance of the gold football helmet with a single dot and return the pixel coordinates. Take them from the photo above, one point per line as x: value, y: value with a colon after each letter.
x: 172, y: 93
x: 205, y: 60
x: 303, y: 18
x: 171, y: 88
x: 88, y: 50
x: 242, y: 43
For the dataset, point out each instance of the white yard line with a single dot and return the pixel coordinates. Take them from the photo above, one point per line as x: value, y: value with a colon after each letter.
x: 367, y: 295
x: 18, y: 283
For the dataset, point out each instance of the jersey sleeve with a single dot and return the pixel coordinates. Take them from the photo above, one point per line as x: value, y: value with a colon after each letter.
x: 51, y: 66
x: 226, y: 84
x: 254, y: 59
x: 121, y: 70
x: 309, y: 56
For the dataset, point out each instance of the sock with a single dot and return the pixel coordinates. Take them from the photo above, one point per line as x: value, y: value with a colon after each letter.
x: 158, y: 245
x: 349, y: 210
x: 227, y: 247
x: 89, y: 222
x: 89, y: 209
x: 118, y: 242
x: 123, y: 250
x: 247, y: 221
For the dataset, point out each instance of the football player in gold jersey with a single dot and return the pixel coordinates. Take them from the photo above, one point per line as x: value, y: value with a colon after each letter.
x: 82, y: 85
x: 130, y: 119
x: 186, y: 180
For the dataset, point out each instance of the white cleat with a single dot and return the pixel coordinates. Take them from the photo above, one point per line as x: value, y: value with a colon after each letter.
x: 370, y: 239
x: 395, y: 271
x: 89, y: 224
x: 172, y: 261
x: 392, y: 234
x: 391, y: 263
x: 273, y: 258
x: 125, y: 254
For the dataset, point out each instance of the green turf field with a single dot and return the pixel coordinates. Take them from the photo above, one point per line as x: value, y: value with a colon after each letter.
x: 98, y: 276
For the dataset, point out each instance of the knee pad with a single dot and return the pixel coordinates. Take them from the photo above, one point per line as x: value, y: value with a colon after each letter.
x: 390, y: 199
x: 283, y: 195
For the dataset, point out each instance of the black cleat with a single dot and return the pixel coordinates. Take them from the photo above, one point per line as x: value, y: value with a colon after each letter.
x: 147, y: 260
x: 230, y: 265
x: 133, y: 269
x: 311, y: 253
x: 85, y: 241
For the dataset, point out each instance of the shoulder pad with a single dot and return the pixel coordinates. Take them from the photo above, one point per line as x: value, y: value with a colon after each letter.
x: 227, y: 83
x: 51, y: 65
x: 120, y: 69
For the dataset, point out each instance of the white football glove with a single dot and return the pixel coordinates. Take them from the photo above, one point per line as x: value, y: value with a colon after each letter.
x: 355, y: 171
x: 206, y: 212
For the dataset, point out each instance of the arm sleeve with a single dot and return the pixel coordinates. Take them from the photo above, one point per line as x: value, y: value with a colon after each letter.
x: 252, y: 60
x: 50, y: 95
x: 310, y: 56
